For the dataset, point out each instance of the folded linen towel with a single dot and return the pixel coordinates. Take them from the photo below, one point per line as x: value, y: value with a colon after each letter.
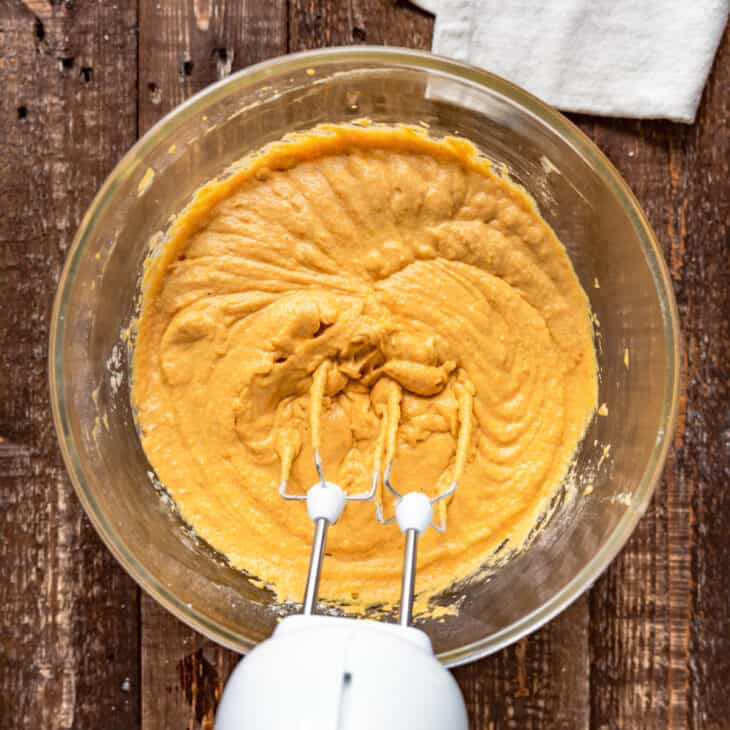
x: 645, y: 59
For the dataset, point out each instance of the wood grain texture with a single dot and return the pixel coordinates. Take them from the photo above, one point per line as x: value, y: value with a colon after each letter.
x: 184, y: 46
x: 68, y: 624
x: 320, y: 23
x: 700, y: 258
x: 629, y: 626
x: 659, y: 618
x: 648, y: 647
x: 187, y: 44
x: 540, y: 682
x: 183, y: 673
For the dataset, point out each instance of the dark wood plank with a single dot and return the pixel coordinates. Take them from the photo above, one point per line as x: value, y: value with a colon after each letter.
x: 319, y: 23
x: 700, y: 260
x: 187, y: 44
x: 182, y: 673
x: 184, y: 46
x: 540, y: 682
x: 660, y: 617
x: 629, y: 628
x: 68, y: 655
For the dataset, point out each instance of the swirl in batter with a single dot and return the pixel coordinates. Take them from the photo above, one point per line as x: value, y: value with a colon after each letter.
x: 401, y: 275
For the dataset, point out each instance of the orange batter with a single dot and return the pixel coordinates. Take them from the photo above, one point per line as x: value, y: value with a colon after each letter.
x: 406, y: 274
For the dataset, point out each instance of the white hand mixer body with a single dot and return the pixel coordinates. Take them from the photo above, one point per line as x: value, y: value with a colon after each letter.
x: 333, y: 673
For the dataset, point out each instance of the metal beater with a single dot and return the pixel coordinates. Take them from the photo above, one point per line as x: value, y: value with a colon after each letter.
x: 348, y: 674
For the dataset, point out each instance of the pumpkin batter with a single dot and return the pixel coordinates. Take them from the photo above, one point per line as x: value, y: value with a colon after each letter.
x: 402, y: 276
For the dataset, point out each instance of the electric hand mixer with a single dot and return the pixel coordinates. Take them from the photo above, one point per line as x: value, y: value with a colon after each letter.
x: 334, y: 673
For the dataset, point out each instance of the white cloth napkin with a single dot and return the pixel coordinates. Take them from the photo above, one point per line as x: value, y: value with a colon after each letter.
x: 623, y: 58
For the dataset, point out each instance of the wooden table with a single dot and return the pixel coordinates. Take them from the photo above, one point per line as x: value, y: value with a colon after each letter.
x: 80, y: 645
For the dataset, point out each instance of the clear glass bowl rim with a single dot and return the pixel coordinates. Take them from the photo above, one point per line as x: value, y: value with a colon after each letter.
x: 420, y: 60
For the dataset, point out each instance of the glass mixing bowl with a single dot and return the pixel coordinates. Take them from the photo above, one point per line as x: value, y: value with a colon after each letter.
x: 578, y: 192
